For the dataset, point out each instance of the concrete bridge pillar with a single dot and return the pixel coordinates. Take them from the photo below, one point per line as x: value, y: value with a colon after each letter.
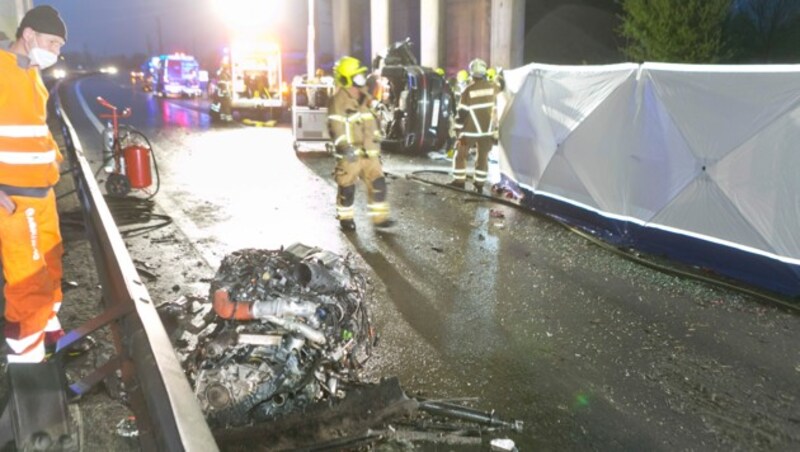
x: 507, y: 33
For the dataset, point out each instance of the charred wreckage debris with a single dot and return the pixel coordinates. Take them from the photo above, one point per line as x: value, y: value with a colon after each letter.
x: 275, y: 356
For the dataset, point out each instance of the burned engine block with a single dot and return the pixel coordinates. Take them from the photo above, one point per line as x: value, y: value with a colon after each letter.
x: 284, y: 328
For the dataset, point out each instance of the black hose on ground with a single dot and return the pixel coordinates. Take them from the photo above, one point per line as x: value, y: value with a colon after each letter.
x: 127, y: 211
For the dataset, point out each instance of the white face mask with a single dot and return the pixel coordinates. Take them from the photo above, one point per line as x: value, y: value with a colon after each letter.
x: 359, y: 80
x: 41, y: 57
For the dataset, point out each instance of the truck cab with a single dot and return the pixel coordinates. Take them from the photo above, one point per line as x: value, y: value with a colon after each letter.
x: 249, y: 78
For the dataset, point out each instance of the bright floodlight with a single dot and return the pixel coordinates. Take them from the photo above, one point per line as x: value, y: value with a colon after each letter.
x: 248, y: 15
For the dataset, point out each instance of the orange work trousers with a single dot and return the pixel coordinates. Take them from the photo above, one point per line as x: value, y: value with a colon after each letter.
x: 31, y: 251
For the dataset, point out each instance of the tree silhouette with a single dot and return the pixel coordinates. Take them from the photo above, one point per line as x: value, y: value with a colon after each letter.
x: 685, y: 31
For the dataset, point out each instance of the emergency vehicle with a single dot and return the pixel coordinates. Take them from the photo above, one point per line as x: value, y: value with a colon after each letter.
x: 249, y: 78
x: 175, y: 75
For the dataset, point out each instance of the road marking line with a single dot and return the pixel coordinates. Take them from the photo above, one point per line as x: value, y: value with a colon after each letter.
x: 88, y: 111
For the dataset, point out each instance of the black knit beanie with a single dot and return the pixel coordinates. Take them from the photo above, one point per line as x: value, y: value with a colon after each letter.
x: 43, y: 19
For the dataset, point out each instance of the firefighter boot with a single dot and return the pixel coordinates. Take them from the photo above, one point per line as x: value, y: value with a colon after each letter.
x: 385, y: 224
x: 344, y: 207
x: 347, y: 225
x: 456, y: 183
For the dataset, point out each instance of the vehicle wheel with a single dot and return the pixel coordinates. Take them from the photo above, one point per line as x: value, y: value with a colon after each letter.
x: 118, y: 185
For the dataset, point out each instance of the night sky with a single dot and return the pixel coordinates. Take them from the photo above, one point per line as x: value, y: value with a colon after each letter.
x: 113, y: 27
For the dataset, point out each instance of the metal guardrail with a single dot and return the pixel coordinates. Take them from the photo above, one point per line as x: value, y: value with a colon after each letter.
x: 168, y: 416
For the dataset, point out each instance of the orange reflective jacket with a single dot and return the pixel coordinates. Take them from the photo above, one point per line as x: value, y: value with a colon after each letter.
x: 29, y: 155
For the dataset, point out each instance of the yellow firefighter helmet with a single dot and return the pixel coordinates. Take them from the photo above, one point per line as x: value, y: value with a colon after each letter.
x: 462, y: 76
x: 345, y: 69
x: 491, y: 73
x: 477, y: 68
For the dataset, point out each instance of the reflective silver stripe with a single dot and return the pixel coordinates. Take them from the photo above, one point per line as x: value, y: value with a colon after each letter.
x: 30, y: 192
x: 27, y: 158
x: 53, y: 324
x: 35, y: 355
x: 32, y: 356
x: 378, y: 208
x: 339, y: 140
x: 19, y: 346
x: 24, y: 131
x: 352, y: 118
x: 474, y: 121
x: 486, y: 105
x: 348, y: 120
x: 373, y: 153
x: 345, y: 212
x: 358, y: 153
x: 477, y: 134
x: 476, y: 106
x: 486, y: 92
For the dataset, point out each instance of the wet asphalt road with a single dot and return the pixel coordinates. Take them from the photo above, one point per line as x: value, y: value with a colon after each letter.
x: 478, y: 299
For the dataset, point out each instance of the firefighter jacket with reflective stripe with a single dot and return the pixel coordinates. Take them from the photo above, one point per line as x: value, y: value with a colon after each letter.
x: 29, y: 155
x: 352, y: 124
x: 476, y: 109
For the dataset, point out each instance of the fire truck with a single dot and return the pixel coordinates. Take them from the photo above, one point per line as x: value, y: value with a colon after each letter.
x: 249, y: 79
x: 174, y: 75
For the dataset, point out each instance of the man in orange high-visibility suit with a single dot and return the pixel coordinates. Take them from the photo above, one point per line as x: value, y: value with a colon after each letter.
x: 30, y: 240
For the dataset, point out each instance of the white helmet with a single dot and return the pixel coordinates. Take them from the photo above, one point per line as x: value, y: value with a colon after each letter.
x: 477, y: 68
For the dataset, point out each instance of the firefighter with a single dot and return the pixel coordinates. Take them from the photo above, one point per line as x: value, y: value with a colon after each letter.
x: 355, y: 134
x: 462, y: 80
x: 221, y: 98
x: 474, y: 125
x: 30, y: 240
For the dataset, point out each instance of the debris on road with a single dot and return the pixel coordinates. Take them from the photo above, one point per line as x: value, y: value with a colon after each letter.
x: 277, y: 351
x: 504, y: 445
x: 285, y: 328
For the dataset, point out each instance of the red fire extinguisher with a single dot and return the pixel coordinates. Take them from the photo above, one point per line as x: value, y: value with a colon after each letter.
x: 137, y: 166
